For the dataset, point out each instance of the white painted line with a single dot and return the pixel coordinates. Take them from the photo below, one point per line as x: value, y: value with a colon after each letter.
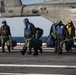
x: 38, y: 66
x: 24, y: 43
x: 26, y: 74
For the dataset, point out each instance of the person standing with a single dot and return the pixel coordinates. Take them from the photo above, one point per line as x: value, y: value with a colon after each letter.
x: 70, y: 34
x: 61, y: 33
x: 52, y: 37
x: 5, y: 35
x: 70, y: 29
x: 53, y: 28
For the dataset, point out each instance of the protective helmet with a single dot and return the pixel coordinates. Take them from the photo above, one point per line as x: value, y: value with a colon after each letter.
x: 55, y: 22
x: 60, y: 22
x: 70, y: 21
x: 4, y: 21
x: 26, y: 20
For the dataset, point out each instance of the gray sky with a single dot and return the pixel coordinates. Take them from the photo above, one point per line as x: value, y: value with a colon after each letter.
x: 33, y: 1
x: 17, y: 25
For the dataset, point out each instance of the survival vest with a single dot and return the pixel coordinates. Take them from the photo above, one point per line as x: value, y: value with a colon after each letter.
x: 60, y: 30
x: 69, y: 29
x: 53, y: 28
x: 4, y: 31
x: 28, y: 31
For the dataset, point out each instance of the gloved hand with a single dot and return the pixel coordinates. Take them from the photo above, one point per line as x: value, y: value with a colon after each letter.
x: 10, y: 37
x: 33, y: 36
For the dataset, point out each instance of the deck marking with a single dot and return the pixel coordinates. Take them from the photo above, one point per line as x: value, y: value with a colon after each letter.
x: 38, y: 66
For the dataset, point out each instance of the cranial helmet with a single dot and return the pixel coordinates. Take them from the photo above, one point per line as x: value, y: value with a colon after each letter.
x: 55, y: 22
x: 4, y: 21
x: 26, y: 19
x: 70, y: 21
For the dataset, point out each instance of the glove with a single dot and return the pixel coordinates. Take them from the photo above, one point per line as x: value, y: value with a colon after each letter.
x: 10, y: 37
x: 33, y: 36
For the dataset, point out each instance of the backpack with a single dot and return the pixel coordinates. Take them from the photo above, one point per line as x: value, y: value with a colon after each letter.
x: 35, y: 43
x: 67, y: 43
x: 38, y: 33
x: 50, y: 41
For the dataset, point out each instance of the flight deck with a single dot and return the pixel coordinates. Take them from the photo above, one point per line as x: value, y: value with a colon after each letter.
x: 47, y: 63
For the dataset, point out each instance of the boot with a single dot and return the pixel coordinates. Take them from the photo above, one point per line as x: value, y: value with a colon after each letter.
x: 23, y: 51
x: 9, y: 49
x: 3, y: 50
x: 40, y: 50
x: 35, y: 52
x: 12, y: 48
x: 60, y: 51
x: 55, y: 51
x: 29, y: 51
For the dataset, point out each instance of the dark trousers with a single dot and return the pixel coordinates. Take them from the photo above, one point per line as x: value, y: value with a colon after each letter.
x: 58, y: 48
x: 4, y: 40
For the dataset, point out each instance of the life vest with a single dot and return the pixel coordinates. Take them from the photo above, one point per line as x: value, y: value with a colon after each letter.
x: 4, y: 31
x: 53, y: 28
x: 27, y: 30
x: 69, y: 29
x: 60, y: 30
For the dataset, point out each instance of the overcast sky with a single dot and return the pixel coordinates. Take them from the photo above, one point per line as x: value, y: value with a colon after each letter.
x: 33, y: 1
x: 17, y: 25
